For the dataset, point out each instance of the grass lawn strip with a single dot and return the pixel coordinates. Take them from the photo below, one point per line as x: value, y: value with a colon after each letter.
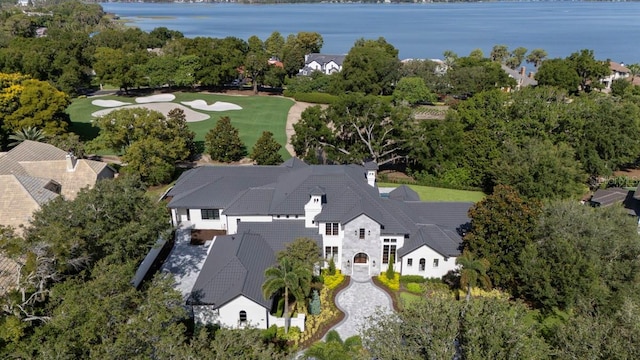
x: 428, y: 193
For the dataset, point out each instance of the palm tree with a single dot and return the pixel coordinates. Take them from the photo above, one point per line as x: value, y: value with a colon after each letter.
x: 294, y: 280
x: 473, y: 271
x: 28, y: 133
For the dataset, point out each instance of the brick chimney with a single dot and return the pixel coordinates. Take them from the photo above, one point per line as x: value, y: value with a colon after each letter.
x: 71, y: 162
x: 523, y: 71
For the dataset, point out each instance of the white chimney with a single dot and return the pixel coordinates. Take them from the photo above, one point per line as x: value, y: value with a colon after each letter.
x: 71, y: 162
x: 314, y: 206
x: 372, y: 170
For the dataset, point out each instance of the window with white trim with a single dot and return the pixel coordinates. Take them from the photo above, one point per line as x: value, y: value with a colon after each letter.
x: 409, y: 262
x: 436, y: 262
x: 389, y: 249
x: 331, y: 252
x: 210, y: 214
x: 243, y: 316
x: 361, y: 233
x: 332, y: 228
x: 423, y: 264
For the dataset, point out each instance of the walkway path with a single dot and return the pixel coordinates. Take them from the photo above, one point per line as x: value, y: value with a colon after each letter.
x: 359, y: 301
x: 294, y: 115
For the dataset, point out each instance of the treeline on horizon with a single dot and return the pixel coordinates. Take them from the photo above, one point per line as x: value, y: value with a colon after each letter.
x: 347, y: 1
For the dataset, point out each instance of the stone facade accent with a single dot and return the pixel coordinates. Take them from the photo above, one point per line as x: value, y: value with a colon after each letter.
x: 370, y: 245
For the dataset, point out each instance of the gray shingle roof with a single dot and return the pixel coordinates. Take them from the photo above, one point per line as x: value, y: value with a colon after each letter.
x: 444, y: 241
x: 235, y: 266
x: 254, y: 201
x: 451, y: 215
x: 404, y: 193
x: 324, y: 58
x: 216, y: 186
x: 606, y: 197
x: 236, y: 263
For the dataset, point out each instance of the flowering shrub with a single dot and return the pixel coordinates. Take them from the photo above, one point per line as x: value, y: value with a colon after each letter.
x: 332, y: 281
x: 313, y: 323
x: 393, y: 284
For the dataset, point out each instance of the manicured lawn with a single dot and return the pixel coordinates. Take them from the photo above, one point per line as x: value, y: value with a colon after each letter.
x: 428, y: 193
x: 258, y: 114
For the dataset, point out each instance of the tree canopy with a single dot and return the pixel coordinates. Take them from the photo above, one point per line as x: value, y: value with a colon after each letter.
x: 150, y: 143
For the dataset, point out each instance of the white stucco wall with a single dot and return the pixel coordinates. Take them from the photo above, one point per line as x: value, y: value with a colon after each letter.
x: 194, y: 216
x: 200, y: 223
x: 257, y: 315
x: 232, y: 221
x: 425, y: 252
x: 229, y: 315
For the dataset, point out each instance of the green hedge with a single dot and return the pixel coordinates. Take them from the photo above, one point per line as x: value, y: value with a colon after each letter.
x: 314, y: 97
x: 405, y: 279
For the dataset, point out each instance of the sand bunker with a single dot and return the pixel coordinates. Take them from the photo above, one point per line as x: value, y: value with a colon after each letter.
x: 155, y: 98
x: 109, y: 103
x: 216, y: 106
x: 164, y: 108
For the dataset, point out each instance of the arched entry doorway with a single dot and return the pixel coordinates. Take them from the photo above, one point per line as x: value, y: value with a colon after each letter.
x: 360, y: 268
x: 361, y: 258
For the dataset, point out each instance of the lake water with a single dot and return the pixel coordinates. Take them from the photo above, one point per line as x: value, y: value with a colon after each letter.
x: 611, y: 29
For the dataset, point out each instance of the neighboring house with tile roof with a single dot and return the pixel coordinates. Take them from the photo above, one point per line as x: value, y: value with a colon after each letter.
x: 264, y: 207
x: 33, y: 173
x: 46, y: 171
x: 327, y: 64
x: 618, y: 71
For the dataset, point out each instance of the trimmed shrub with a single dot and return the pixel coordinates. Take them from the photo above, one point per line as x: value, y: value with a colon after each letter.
x: 414, y: 288
x: 332, y: 281
x: 390, y: 272
x: 393, y: 284
x: 405, y: 279
x: 332, y: 267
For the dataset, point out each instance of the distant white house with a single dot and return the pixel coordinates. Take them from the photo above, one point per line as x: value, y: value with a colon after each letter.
x: 262, y: 208
x: 618, y: 71
x: 327, y: 64
x: 24, y: 2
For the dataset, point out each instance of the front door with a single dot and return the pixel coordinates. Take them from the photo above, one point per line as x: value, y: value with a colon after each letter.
x: 361, y: 258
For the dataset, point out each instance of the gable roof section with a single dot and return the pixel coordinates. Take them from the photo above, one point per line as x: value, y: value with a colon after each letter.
x: 37, y: 188
x: 443, y: 241
x: 450, y: 215
x: 323, y: 59
x: 294, y: 163
x: 254, y: 201
x: 606, y: 197
x: 278, y: 234
x: 404, y: 193
x: 217, y: 186
x: 236, y: 263
x: 235, y: 266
